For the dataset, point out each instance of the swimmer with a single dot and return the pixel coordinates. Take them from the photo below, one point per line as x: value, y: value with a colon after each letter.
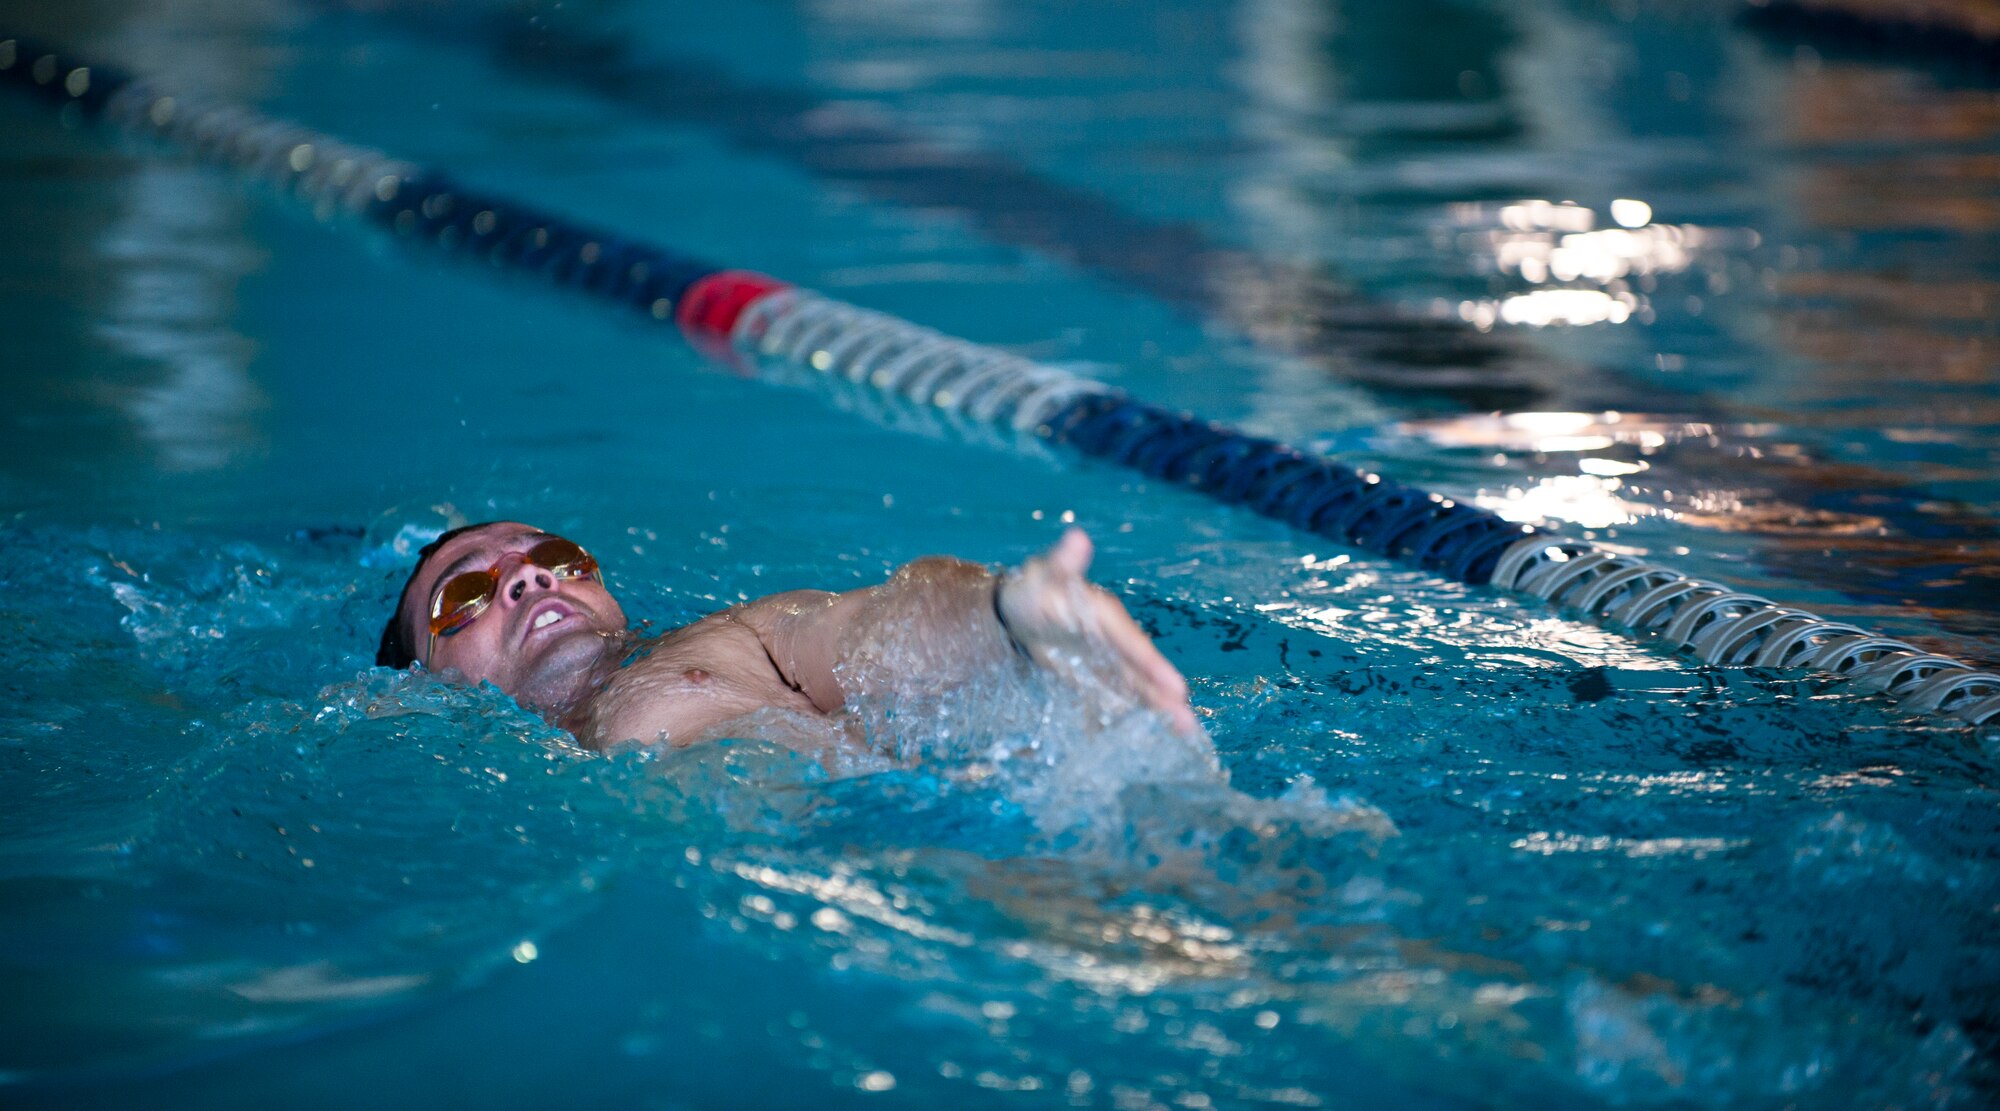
x: 508, y: 604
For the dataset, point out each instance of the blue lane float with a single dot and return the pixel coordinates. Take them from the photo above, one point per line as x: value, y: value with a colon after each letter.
x: 761, y: 322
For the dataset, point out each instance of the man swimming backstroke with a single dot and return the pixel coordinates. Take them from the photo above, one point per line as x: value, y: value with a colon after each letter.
x: 505, y: 603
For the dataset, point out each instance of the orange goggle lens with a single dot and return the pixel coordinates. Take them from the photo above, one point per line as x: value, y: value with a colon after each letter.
x: 466, y: 595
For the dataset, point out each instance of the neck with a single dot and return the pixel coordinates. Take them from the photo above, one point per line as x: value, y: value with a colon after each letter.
x: 563, y: 694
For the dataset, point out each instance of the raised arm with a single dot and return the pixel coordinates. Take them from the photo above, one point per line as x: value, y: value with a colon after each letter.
x: 955, y: 619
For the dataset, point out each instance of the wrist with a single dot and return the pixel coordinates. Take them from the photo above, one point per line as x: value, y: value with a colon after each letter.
x: 1000, y: 582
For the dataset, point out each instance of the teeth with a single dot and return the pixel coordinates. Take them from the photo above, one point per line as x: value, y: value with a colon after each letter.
x: 549, y: 618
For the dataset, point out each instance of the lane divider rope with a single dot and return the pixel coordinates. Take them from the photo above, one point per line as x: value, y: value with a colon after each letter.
x: 755, y: 320
x: 1727, y: 628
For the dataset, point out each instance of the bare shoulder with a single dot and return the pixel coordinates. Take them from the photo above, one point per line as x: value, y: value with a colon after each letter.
x: 688, y: 684
x: 765, y: 615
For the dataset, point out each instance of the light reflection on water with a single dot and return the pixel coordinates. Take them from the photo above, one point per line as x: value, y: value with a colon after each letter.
x: 1594, y: 275
x: 1672, y: 488
x: 172, y: 311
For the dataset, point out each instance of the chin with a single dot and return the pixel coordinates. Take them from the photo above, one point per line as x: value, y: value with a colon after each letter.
x: 564, y: 671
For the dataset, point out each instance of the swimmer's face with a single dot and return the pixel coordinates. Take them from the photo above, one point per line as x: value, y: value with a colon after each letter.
x: 539, y: 639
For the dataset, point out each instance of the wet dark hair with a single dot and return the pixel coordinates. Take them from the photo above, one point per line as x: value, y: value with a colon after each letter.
x: 396, y: 650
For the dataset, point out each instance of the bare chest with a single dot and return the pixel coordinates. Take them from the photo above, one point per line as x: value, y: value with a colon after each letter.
x: 692, y: 684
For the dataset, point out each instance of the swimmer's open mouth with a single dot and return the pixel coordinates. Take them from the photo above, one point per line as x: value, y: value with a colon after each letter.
x: 545, y: 613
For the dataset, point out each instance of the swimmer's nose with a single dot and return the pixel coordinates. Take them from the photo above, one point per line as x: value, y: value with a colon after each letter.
x: 523, y: 580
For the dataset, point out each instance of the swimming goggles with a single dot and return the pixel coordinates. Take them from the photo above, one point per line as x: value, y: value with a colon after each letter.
x: 465, y: 596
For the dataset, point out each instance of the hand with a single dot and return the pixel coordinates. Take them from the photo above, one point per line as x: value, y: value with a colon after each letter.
x: 1064, y: 623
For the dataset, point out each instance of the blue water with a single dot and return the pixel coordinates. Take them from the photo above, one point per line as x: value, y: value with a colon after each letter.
x: 1443, y: 847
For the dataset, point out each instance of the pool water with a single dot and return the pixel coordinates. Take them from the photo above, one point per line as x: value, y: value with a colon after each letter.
x: 1441, y: 847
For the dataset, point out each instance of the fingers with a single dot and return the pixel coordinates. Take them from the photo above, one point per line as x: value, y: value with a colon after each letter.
x: 1158, y: 683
